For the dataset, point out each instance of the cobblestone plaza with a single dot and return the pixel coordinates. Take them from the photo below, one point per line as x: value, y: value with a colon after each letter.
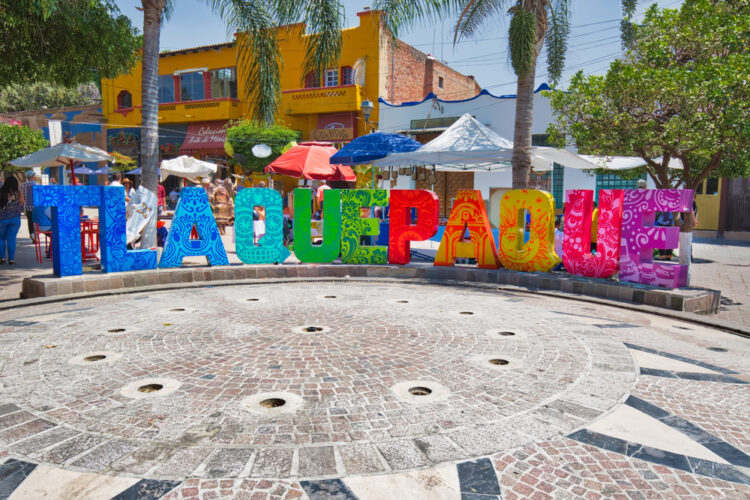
x: 373, y: 389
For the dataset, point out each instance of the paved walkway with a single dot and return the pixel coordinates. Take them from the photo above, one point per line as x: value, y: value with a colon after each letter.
x: 367, y: 391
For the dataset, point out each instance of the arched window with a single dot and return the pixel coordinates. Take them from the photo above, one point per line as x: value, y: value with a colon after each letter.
x: 124, y: 100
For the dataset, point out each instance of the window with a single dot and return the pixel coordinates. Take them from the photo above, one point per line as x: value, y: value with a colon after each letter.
x: 347, y: 75
x: 166, y: 88
x: 557, y: 184
x: 312, y: 80
x: 223, y: 83
x: 441, y: 82
x: 124, y: 100
x: 332, y: 78
x: 191, y: 86
x: 614, y: 181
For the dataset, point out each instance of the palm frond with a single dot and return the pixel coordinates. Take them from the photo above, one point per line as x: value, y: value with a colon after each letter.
x: 556, y: 39
x: 627, y: 30
x: 324, y: 20
x: 475, y: 14
x: 258, y: 52
x: 400, y: 14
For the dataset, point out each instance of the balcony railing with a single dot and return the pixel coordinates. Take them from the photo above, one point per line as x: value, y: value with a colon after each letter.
x: 322, y: 100
x: 195, y: 111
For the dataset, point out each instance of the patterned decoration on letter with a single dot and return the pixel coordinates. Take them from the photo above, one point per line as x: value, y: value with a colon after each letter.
x: 538, y: 253
x: 469, y: 213
x: 115, y: 255
x: 66, y: 202
x: 271, y: 246
x: 193, y: 210
x: 353, y: 226
x: 579, y: 223
x: 640, y: 237
x: 329, y: 250
x: 401, y: 231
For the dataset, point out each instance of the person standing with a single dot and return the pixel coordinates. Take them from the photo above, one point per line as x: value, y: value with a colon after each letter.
x: 161, y: 197
x: 116, y: 177
x: 27, y: 190
x: 10, y: 218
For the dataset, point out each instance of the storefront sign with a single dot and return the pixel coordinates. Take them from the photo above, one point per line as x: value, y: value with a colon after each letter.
x: 333, y: 134
x: 629, y: 213
x: 204, y: 136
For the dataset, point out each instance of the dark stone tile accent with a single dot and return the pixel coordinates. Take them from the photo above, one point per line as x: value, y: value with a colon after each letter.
x: 717, y: 470
x: 646, y: 407
x: 477, y: 496
x: 713, y: 443
x: 600, y: 441
x: 147, y: 489
x: 478, y: 477
x: 12, y: 473
x: 654, y: 372
x: 681, y: 358
x: 330, y: 489
x: 709, y: 377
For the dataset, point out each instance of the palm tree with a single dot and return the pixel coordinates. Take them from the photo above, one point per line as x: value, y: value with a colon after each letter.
x: 153, y: 13
x: 259, y: 57
x: 532, y: 23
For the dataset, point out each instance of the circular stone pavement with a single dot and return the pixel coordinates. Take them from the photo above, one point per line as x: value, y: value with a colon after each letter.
x: 349, y: 375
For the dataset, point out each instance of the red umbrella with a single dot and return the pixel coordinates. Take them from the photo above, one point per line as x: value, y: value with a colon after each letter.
x: 344, y: 173
x: 309, y: 162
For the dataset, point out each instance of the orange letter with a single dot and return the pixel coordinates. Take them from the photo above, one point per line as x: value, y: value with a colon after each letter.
x: 468, y: 213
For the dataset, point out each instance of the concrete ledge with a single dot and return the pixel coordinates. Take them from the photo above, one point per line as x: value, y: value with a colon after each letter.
x: 692, y: 300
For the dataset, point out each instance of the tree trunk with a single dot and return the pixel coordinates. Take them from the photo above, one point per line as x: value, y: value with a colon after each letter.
x: 152, y: 12
x: 522, y: 129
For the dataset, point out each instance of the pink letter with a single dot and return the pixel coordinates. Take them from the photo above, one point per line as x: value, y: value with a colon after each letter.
x: 577, y: 256
x: 640, y: 237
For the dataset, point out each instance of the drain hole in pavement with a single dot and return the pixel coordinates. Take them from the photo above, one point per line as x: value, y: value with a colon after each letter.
x: 506, y: 334
x: 402, y: 302
x: 499, y: 362
x: 468, y: 313
x: 682, y: 327
x: 716, y: 349
x: 150, y: 388
x: 116, y: 330
x: 420, y: 391
x: 97, y: 357
x: 178, y: 310
x: 330, y: 296
x: 313, y: 329
x: 272, y: 403
x: 253, y: 300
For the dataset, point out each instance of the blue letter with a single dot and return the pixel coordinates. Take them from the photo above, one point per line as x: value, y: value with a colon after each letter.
x: 193, y: 210
x: 115, y: 255
x: 66, y: 203
x: 272, y: 248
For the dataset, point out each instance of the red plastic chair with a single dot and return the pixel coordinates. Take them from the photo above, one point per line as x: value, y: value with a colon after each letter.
x: 38, y: 242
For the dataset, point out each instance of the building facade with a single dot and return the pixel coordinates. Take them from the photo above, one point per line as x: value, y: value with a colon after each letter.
x: 203, y: 88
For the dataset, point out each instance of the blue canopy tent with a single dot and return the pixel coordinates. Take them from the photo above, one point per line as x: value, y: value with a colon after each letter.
x: 137, y: 171
x: 367, y: 148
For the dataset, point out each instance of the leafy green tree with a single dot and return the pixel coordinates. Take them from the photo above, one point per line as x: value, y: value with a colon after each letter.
x: 18, y: 141
x: 682, y: 91
x: 38, y: 95
x: 247, y: 133
x: 64, y: 41
x: 533, y: 23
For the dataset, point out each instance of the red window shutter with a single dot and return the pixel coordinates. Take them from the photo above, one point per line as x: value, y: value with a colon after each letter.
x: 347, y: 75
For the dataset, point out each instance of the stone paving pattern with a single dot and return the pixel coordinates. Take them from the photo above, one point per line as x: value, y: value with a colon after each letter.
x: 573, y: 366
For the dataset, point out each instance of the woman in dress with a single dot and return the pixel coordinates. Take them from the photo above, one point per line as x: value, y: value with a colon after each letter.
x: 10, y: 218
x: 223, y: 206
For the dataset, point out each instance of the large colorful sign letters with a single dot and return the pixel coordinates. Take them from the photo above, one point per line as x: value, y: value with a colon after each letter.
x: 625, y: 234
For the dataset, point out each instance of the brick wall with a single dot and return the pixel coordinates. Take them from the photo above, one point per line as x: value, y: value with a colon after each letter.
x: 411, y: 74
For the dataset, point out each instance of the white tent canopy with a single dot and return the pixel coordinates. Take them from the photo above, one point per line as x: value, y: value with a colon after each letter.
x: 626, y: 162
x: 187, y: 167
x: 469, y: 145
x: 62, y: 154
x: 465, y: 142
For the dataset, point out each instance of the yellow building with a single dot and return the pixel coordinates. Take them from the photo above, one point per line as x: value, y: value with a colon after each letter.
x: 201, y: 88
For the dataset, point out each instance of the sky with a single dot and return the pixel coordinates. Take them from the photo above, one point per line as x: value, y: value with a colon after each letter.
x: 594, y: 38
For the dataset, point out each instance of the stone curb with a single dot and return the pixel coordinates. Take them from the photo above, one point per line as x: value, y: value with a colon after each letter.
x: 405, y: 274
